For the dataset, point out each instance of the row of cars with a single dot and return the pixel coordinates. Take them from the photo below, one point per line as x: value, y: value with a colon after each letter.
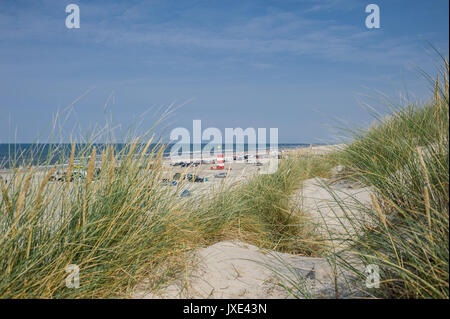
x: 190, y: 178
x: 77, y: 173
x: 80, y: 173
x: 186, y: 164
x: 251, y: 159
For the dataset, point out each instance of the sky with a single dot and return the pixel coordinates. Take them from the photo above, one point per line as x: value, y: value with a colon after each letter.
x: 306, y: 67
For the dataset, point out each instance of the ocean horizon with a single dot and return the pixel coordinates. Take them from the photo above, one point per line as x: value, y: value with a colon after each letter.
x: 13, y: 154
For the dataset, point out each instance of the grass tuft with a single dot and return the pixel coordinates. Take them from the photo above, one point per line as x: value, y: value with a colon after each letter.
x: 404, y: 159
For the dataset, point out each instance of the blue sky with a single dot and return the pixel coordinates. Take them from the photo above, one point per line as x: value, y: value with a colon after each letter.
x: 298, y: 65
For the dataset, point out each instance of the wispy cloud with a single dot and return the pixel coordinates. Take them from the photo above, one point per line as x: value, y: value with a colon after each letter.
x: 272, y: 32
x: 275, y: 33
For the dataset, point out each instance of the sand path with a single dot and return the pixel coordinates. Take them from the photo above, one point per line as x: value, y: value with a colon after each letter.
x: 233, y: 269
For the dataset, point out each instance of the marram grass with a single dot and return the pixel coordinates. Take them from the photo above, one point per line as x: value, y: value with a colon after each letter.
x: 120, y: 226
x: 405, y: 161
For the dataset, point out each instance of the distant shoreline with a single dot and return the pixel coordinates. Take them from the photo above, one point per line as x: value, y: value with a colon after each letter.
x: 303, y: 149
x: 23, y: 151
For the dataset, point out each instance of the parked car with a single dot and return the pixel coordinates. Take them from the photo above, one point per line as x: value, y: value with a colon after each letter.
x: 185, y: 193
x: 220, y: 175
x: 176, y: 164
x: 195, y: 179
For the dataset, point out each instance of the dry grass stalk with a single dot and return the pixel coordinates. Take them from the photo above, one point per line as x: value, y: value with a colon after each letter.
x: 68, y: 177
x: 377, y: 208
x: 69, y: 169
x: 91, y: 166
x: 446, y: 65
x: 42, y: 187
x: 90, y: 173
x: 445, y: 84
x: 103, y: 161
x: 111, y: 164
x: 436, y: 89
x: 144, y: 151
x: 424, y: 167
x: 131, y: 151
x: 428, y: 210
x: 22, y: 196
x: 6, y: 197
x: 19, y: 176
x: 36, y: 206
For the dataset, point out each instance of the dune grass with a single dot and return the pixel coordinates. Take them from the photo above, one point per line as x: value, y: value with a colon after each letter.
x: 265, y: 207
x: 114, y: 226
x: 404, y: 159
x: 119, y: 224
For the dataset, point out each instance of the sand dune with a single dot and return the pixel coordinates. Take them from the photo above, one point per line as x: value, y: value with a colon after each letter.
x: 233, y: 269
